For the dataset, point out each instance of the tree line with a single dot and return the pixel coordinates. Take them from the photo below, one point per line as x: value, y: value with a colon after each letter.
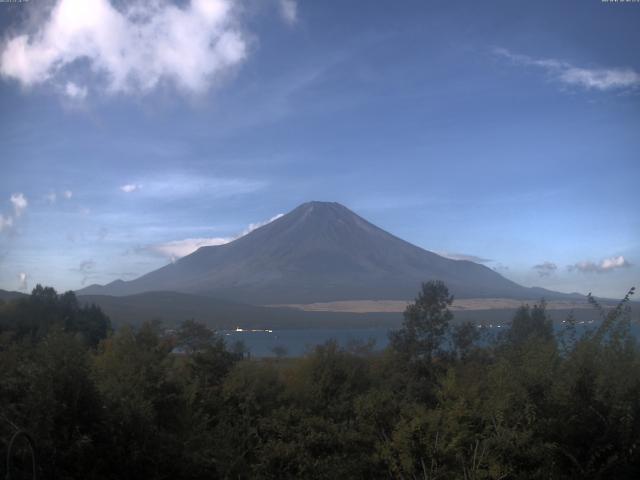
x: 440, y: 402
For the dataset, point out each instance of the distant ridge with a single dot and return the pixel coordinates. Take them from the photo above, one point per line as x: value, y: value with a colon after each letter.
x: 6, y: 295
x: 319, y: 252
x: 172, y: 307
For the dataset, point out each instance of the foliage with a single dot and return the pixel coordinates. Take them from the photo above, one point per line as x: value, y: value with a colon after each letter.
x: 439, y: 403
x: 426, y: 322
x: 530, y: 324
x: 35, y: 316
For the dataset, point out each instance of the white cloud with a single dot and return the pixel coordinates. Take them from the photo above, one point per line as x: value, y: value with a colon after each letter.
x: 614, y: 262
x: 75, y: 92
x: 545, y: 269
x: 51, y: 197
x: 130, y: 187
x: 606, y: 265
x: 601, y: 79
x: 131, y: 49
x: 22, y: 277
x: 179, y: 248
x: 20, y: 203
x: 253, y: 226
x: 589, y: 78
x: 5, y: 222
x: 187, y: 185
x: 289, y: 11
x: 67, y: 194
x: 463, y: 256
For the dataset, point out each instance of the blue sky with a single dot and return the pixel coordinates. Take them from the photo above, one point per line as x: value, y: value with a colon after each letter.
x: 506, y: 132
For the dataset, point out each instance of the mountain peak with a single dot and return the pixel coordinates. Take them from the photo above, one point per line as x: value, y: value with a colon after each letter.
x: 320, y: 251
x: 319, y: 221
x: 318, y: 207
x: 320, y: 204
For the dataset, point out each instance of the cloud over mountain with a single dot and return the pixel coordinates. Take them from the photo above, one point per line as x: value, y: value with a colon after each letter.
x: 176, y: 249
x: 464, y: 256
x: 179, y: 248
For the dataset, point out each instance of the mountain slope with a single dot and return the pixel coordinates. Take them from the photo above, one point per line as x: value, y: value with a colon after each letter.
x: 318, y: 252
x: 7, y: 295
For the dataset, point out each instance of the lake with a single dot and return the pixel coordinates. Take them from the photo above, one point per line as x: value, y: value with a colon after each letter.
x: 297, y: 342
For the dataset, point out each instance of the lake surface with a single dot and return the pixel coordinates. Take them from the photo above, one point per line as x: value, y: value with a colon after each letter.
x: 297, y: 342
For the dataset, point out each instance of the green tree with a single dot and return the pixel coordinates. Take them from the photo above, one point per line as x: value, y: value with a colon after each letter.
x: 34, y: 317
x: 194, y: 336
x: 47, y: 389
x: 426, y: 323
x: 464, y: 337
x: 143, y: 405
x: 530, y: 323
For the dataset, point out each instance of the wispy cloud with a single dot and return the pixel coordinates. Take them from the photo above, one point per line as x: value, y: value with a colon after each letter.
x: 52, y: 196
x: 22, y: 281
x: 75, y: 92
x: 254, y: 226
x: 181, y: 185
x: 86, y: 268
x: 604, y: 266
x: 179, y: 248
x: 5, y: 222
x: 569, y: 74
x: 289, y: 11
x: 20, y: 203
x: 464, y: 256
x: 176, y: 249
x: 545, y: 269
x: 130, y: 49
x: 601, y: 79
x: 130, y: 187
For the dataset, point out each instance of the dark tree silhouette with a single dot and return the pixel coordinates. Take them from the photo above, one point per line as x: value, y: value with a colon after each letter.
x: 426, y: 322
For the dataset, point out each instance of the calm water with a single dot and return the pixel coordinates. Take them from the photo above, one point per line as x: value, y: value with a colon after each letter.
x: 297, y: 342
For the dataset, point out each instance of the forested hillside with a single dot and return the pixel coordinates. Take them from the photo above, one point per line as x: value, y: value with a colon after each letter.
x: 440, y: 402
